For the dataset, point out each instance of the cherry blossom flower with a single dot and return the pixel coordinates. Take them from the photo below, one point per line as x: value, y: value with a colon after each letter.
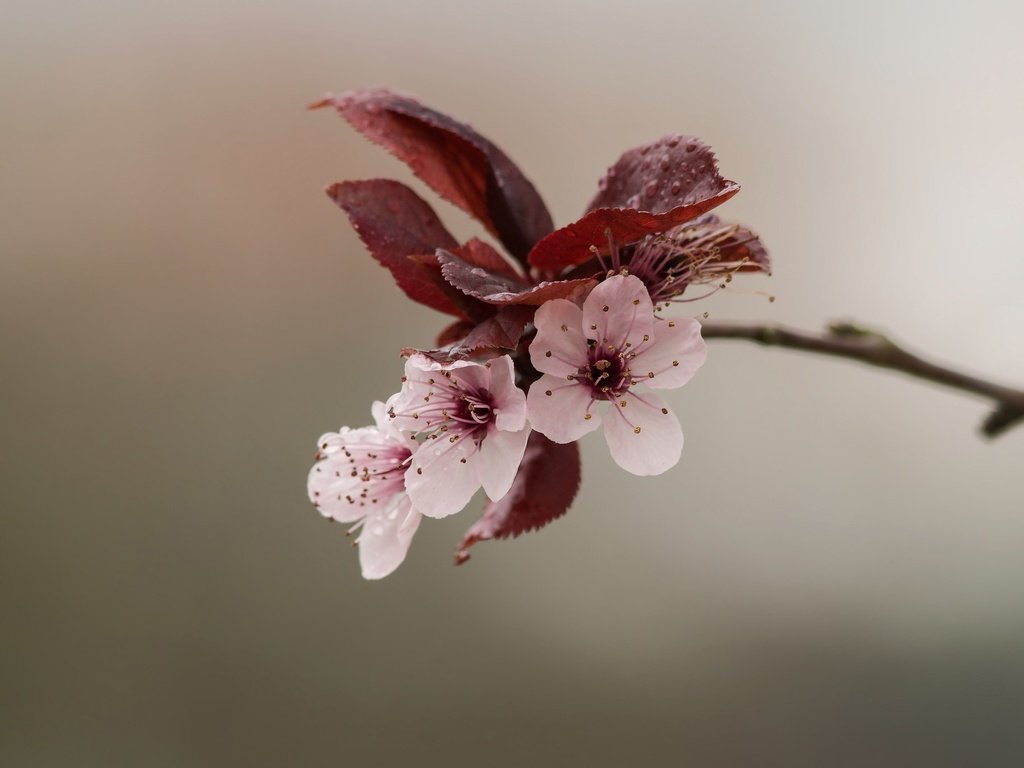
x: 602, y: 353
x: 359, y: 477
x: 471, y: 418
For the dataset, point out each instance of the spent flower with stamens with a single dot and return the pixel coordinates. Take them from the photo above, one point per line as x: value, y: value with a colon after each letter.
x: 604, y: 353
x: 359, y: 477
x: 471, y: 420
x: 705, y: 252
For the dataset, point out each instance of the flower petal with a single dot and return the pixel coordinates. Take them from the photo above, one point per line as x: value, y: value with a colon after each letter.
x: 387, y: 426
x: 559, y: 347
x: 618, y: 312
x: 386, y: 536
x: 566, y: 414
x: 331, y: 486
x: 508, y: 400
x: 394, y: 223
x: 644, y: 437
x: 676, y: 351
x: 454, y: 160
x: 442, y: 477
x: 498, y: 462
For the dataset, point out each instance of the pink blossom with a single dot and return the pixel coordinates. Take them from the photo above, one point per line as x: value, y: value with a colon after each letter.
x: 604, y: 352
x: 472, y: 421
x: 359, y: 477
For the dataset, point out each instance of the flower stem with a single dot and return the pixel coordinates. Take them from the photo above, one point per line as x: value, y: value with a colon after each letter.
x: 873, y: 348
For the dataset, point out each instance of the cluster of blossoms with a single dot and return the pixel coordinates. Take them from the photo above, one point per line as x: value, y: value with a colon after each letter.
x: 566, y: 336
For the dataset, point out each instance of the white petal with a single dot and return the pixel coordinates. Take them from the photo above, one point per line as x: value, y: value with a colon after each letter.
x: 676, y: 351
x: 498, y: 462
x: 474, y: 377
x: 562, y: 415
x: 617, y: 311
x: 442, y: 477
x: 387, y: 426
x: 330, y: 483
x: 408, y: 402
x: 386, y: 536
x: 420, y: 368
x: 330, y: 486
x: 658, y: 444
x: 508, y: 400
x: 559, y: 347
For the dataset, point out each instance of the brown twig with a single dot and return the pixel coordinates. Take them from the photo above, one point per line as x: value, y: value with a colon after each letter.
x: 867, y: 346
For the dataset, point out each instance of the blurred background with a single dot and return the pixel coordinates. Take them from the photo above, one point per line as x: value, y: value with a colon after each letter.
x: 831, y: 576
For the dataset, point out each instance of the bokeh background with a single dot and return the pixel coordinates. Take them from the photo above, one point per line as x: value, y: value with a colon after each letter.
x: 831, y: 576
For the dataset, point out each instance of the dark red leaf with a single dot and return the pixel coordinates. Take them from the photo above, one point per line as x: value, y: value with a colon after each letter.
x: 465, y: 339
x: 454, y: 332
x: 479, y: 254
x: 649, y: 190
x: 548, y: 480
x: 475, y: 280
x: 470, y: 307
x: 661, y: 175
x: 499, y: 289
x: 502, y: 331
x: 454, y: 160
x: 395, y: 223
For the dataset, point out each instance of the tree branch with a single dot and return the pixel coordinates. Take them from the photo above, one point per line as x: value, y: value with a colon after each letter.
x: 867, y: 346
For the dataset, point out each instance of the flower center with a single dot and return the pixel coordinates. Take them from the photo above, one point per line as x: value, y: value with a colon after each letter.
x: 447, y: 407
x: 473, y: 409
x: 607, y: 373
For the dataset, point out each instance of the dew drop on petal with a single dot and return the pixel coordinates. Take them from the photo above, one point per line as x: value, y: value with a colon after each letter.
x: 691, y: 145
x: 676, y: 186
x: 651, y: 189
